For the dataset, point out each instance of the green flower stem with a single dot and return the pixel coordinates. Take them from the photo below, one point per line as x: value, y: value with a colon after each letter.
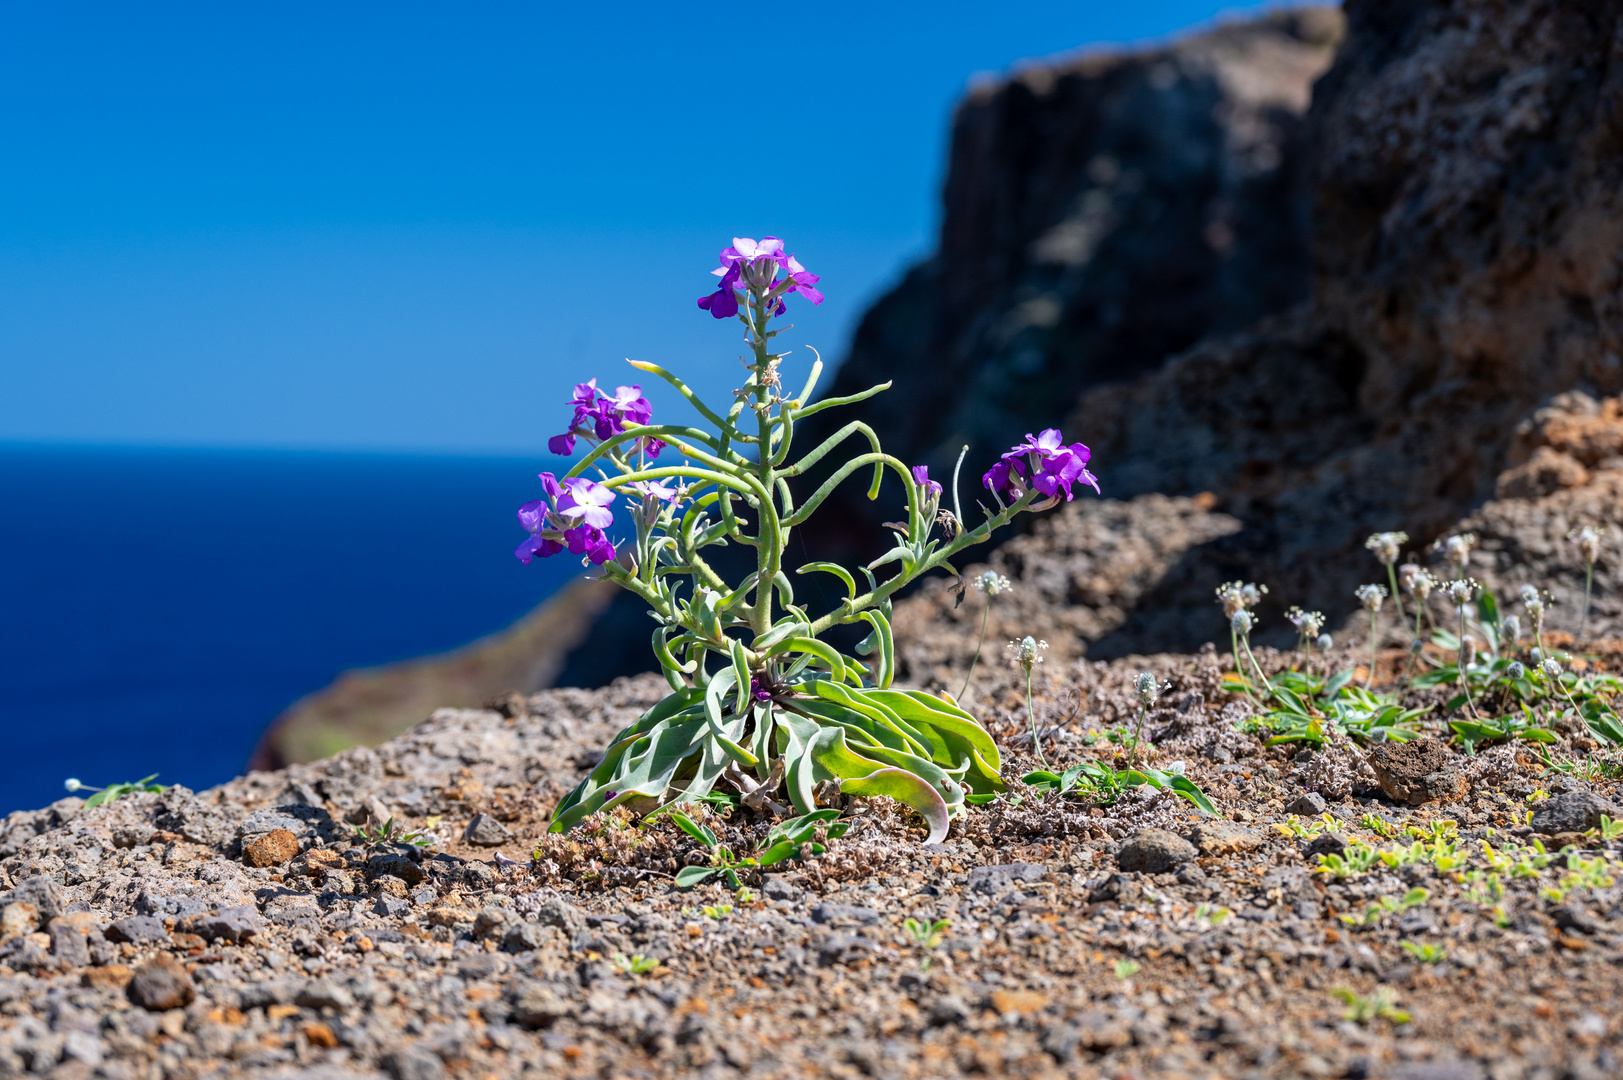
x: 1463, y: 658
x: 986, y: 613
x: 705, y: 411
x: 878, y: 459
x: 1589, y: 581
x: 1239, y: 668
x: 1256, y: 667
x: 1138, y: 732
x: 879, y: 594
x: 822, y: 450
x: 1369, y: 678
x: 834, y: 402
x: 1397, y: 597
x: 1031, y: 713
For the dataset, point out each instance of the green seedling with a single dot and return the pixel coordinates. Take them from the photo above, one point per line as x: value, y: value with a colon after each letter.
x: 1356, y: 860
x: 1609, y: 829
x: 1311, y: 828
x: 1379, y: 826
x: 1106, y: 785
x: 795, y: 838
x: 1126, y: 969
x: 1581, y: 873
x: 1426, y: 954
x: 745, y: 895
x: 390, y: 833
x: 1211, y: 915
x: 1383, y: 1005
x: 105, y: 795
x: 717, y: 911
x: 1388, y: 905
x: 927, y: 936
x: 1483, y: 889
x: 634, y: 965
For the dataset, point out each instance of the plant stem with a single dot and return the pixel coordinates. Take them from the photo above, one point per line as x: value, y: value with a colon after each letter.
x: 1369, y: 678
x: 1464, y: 660
x: 985, y: 613
x: 1031, y: 713
x: 1589, y: 581
x: 1239, y: 668
x: 1397, y: 597
x: 1138, y: 731
x: 1256, y: 667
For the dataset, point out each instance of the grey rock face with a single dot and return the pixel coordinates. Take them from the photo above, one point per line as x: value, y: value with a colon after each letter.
x: 1154, y: 851
x: 991, y: 879
x: 1575, y: 811
x: 486, y: 831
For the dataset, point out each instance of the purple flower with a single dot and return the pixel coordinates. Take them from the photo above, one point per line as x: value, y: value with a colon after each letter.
x: 573, y: 516
x: 654, y: 489
x: 722, y: 304
x: 1044, y: 464
x: 921, y: 477
x: 758, y: 689
x: 802, y: 280
x: 749, y: 264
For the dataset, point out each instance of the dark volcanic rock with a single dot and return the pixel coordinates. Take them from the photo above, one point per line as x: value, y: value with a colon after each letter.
x: 1575, y: 811
x: 162, y: 984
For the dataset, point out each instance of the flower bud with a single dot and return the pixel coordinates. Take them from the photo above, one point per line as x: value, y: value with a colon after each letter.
x: 1240, y: 622
x: 1386, y: 545
x: 1416, y: 647
x: 992, y: 583
x: 1537, y: 654
x: 1325, y: 642
x: 1551, y: 667
x: 1028, y: 652
x: 1510, y: 629
x: 1516, y: 671
x: 72, y: 784
x: 1147, y: 690
x: 1588, y: 541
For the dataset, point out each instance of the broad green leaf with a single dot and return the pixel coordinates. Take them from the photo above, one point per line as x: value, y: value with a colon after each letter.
x: 689, y: 876
x: 906, y: 788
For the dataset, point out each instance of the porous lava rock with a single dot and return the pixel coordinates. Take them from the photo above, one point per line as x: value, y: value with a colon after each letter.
x: 1417, y: 772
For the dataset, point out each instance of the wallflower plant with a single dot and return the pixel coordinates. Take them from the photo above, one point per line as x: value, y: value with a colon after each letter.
x: 756, y: 691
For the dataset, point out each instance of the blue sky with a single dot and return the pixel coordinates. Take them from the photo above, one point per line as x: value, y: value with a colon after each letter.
x: 412, y: 226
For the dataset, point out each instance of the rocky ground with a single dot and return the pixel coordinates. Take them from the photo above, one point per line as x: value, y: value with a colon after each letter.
x: 246, y: 930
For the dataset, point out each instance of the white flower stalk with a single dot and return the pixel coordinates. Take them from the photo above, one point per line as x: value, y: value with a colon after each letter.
x: 1148, y: 691
x: 989, y: 584
x: 1028, y: 653
x: 1371, y: 597
x: 1588, y: 541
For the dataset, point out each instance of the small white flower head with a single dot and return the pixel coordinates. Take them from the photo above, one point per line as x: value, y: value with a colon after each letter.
x: 1370, y: 596
x: 1422, y: 583
x: 1537, y: 654
x: 992, y: 583
x: 1462, y: 591
x: 1325, y: 643
x: 1387, y: 545
x: 72, y: 784
x: 1510, y: 629
x: 1588, y: 541
x: 1307, y: 623
x: 1457, y: 549
x: 1147, y: 690
x: 1517, y: 670
x: 1551, y: 667
x: 1407, y: 574
x: 1533, y: 601
x: 1028, y: 651
x: 1239, y: 595
x: 1240, y: 622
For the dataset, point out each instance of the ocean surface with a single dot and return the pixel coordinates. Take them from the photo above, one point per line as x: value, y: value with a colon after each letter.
x: 158, y: 608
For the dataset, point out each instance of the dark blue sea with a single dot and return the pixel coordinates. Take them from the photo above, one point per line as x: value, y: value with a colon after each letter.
x: 159, y: 607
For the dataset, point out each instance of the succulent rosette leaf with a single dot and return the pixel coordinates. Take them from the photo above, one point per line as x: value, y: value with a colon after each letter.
x: 759, y: 701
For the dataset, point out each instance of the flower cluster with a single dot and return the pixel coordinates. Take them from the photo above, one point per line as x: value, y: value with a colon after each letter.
x: 1043, y: 464
x: 755, y: 266
x: 574, y: 521
x: 600, y: 415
